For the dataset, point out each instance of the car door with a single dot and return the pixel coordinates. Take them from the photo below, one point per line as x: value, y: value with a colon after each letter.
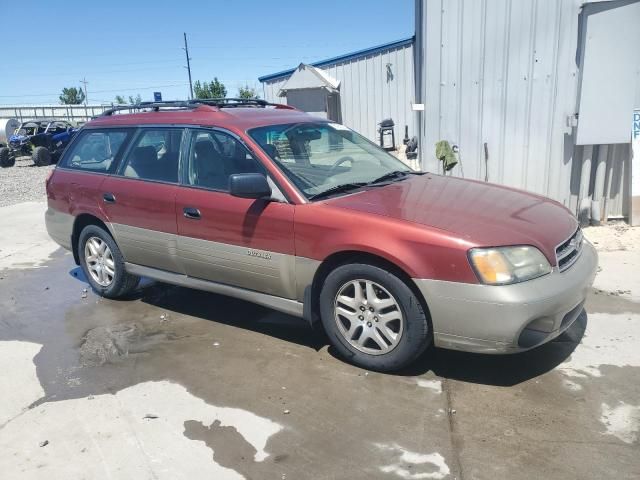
x: 236, y: 241
x: 139, y: 200
x: 89, y: 161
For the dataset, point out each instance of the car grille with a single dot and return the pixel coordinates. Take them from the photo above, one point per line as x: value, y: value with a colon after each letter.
x: 569, y: 250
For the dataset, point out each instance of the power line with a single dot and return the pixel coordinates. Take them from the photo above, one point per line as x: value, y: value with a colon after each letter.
x: 98, y: 91
x: 101, y: 72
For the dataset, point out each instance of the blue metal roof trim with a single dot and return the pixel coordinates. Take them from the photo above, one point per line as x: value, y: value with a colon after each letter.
x: 343, y: 58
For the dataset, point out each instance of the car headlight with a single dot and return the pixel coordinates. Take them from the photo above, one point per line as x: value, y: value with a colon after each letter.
x: 505, y: 265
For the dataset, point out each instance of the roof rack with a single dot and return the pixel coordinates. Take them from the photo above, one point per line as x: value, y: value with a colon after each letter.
x: 234, y: 102
x: 189, y: 104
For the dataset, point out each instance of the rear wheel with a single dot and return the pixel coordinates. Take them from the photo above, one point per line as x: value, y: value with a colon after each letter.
x: 6, y: 159
x: 103, y: 264
x: 373, y: 318
x: 41, y: 156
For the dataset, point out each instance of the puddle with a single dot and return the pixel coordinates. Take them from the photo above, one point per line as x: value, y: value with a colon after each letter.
x: 137, y: 432
x: 230, y: 449
x: 102, y: 344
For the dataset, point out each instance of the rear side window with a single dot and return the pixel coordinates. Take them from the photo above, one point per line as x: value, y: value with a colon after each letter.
x: 154, y: 155
x: 96, y: 150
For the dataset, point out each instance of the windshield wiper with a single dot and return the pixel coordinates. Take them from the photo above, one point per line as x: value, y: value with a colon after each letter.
x: 345, y: 187
x: 396, y: 174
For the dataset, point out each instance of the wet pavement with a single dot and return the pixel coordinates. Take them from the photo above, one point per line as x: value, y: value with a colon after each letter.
x: 177, y: 383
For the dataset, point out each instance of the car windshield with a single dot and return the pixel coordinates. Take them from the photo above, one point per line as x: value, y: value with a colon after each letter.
x: 326, y: 158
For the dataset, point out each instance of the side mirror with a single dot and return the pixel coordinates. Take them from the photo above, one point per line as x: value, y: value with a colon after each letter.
x: 249, y: 185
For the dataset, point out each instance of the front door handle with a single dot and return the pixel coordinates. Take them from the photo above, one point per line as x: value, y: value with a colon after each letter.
x: 190, y: 212
x: 109, y: 197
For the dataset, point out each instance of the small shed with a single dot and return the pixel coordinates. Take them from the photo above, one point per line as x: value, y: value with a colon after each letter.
x: 312, y: 90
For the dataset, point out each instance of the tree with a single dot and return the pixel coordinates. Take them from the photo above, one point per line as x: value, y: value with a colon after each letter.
x: 135, y: 100
x: 120, y: 100
x: 198, y: 90
x: 247, y: 92
x: 214, y: 89
x: 72, y: 96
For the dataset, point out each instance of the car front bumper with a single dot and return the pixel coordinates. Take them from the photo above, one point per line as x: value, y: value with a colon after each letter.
x: 509, y: 318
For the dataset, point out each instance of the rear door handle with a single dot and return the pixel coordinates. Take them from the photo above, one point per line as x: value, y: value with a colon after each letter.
x: 109, y: 197
x: 190, y: 212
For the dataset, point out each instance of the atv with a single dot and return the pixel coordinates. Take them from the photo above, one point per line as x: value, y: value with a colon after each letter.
x: 43, y: 139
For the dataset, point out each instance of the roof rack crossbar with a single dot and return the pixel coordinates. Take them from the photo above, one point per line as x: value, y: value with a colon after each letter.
x: 186, y: 104
x: 231, y: 101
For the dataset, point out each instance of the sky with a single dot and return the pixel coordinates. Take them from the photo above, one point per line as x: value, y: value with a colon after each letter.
x: 135, y: 47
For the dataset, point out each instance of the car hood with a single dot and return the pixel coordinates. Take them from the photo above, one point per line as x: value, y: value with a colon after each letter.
x: 483, y: 214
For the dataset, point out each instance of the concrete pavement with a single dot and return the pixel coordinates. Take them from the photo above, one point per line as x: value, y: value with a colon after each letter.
x: 177, y: 383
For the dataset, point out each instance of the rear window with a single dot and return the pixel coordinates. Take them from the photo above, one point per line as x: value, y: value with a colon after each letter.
x: 96, y: 150
x: 154, y: 155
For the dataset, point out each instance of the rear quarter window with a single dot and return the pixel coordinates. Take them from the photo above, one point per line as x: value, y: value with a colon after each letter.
x: 96, y: 150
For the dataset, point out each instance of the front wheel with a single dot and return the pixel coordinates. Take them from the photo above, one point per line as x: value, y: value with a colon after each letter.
x: 41, y: 156
x: 6, y: 158
x: 373, y: 318
x: 103, y: 264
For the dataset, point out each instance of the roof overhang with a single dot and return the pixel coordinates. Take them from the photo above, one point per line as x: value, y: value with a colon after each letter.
x: 345, y: 58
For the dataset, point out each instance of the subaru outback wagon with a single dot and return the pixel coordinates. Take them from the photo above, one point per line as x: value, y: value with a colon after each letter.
x: 268, y: 204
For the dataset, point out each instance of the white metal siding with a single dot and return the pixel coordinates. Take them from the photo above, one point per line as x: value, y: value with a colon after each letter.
x: 366, y: 97
x: 619, y: 174
x: 505, y: 72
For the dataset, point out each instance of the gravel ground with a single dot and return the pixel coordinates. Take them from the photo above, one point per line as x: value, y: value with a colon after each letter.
x: 23, y: 182
x: 614, y: 236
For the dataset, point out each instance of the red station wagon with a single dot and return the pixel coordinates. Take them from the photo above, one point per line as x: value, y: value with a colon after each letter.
x: 269, y: 204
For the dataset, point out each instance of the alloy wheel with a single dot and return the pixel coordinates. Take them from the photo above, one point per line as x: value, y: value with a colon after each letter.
x: 368, y: 317
x: 99, y: 260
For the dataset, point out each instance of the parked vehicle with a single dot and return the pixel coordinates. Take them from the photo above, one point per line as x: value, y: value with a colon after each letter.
x: 43, y: 139
x: 269, y: 204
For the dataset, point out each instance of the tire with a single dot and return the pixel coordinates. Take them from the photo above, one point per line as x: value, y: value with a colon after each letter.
x: 6, y: 159
x: 405, y: 338
x: 121, y: 283
x: 41, y: 156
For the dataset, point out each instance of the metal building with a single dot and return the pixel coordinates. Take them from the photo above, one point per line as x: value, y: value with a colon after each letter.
x: 372, y: 85
x: 537, y: 94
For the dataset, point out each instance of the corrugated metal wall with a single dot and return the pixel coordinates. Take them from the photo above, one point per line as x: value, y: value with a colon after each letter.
x: 504, y: 73
x: 367, y: 94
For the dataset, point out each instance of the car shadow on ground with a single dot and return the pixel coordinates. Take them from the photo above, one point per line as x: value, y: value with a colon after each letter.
x: 486, y: 369
x: 233, y: 312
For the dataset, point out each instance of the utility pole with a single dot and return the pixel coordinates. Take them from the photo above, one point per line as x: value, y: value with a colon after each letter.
x: 86, y: 99
x: 188, y: 67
